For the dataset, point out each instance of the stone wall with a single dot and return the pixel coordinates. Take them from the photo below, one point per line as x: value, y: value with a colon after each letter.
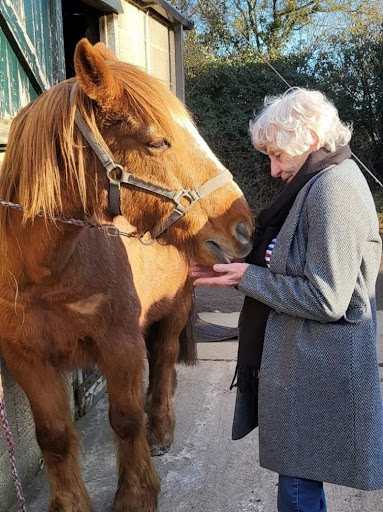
x: 27, y: 451
x: 28, y: 455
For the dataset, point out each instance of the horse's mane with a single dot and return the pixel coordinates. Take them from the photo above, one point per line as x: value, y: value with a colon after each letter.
x: 45, y: 148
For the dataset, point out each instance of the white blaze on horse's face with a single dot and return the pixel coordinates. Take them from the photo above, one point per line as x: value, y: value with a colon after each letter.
x: 201, y: 144
x: 188, y: 125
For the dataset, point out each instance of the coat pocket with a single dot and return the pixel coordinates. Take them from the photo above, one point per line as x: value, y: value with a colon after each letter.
x: 354, y: 314
x: 359, y: 305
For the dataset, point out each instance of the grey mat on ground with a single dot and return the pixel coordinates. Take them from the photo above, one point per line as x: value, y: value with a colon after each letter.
x: 206, y: 332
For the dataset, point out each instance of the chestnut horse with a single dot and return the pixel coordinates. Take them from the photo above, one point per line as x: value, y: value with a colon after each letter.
x: 67, y: 295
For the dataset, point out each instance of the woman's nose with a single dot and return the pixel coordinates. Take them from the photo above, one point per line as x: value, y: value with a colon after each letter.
x: 275, y: 170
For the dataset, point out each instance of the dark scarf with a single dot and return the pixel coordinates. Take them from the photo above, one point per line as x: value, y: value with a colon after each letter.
x: 254, y: 314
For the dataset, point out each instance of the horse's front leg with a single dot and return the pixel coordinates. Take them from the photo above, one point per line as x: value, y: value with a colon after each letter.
x: 55, y: 431
x: 163, y: 347
x: 123, y: 366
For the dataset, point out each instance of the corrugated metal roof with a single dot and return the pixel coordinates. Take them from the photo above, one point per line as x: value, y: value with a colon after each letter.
x: 106, y: 5
x: 168, y: 11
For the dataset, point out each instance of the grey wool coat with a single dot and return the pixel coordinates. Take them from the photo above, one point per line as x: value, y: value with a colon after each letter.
x: 320, y: 404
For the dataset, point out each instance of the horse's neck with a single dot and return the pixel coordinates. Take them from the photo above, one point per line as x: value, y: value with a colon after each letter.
x: 35, y: 252
x: 159, y: 271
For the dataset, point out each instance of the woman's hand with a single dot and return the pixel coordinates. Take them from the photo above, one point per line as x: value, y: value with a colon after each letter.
x: 221, y: 274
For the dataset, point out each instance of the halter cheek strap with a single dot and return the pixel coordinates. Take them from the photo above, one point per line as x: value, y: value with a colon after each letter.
x: 106, y: 160
x: 117, y: 176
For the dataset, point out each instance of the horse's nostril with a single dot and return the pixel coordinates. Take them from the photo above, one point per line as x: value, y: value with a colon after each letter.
x: 242, y: 233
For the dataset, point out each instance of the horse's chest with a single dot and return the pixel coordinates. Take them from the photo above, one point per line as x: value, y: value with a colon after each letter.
x: 57, y: 327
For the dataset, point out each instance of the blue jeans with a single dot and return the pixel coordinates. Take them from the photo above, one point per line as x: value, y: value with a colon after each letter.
x: 300, y: 495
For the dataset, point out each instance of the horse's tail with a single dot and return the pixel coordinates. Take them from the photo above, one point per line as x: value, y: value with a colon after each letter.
x: 188, y: 342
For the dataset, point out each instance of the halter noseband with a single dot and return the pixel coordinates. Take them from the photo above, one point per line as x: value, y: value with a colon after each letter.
x: 117, y: 176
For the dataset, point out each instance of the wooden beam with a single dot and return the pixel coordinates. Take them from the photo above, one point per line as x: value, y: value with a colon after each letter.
x: 109, y: 33
x: 22, y: 46
x: 180, y: 64
x: 57, y: 38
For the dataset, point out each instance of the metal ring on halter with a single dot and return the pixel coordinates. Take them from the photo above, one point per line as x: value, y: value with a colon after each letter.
x: 112, y: 180
x: 150, y: 242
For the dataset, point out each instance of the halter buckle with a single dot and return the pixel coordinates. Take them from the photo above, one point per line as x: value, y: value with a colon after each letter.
x: 191, y: 195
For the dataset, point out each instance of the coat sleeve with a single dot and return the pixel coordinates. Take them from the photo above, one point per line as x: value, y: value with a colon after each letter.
x: 338, y: 229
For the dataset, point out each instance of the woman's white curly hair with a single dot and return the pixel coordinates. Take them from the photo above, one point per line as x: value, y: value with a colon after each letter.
x: 298, y: 119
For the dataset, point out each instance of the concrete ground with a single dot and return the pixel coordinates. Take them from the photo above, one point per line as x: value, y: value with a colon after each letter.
x: 204, y: 471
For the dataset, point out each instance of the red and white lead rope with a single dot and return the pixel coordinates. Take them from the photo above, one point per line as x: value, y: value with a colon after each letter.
x: 11, y: 450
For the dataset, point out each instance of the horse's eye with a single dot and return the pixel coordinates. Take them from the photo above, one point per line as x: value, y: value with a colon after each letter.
x: 158, y: 144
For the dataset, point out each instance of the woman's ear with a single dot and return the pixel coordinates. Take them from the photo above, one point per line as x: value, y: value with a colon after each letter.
x: 316, y: 144
x: 95, y: 77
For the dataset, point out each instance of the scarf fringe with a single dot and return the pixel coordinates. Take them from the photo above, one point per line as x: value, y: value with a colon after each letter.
x: 245, y: 378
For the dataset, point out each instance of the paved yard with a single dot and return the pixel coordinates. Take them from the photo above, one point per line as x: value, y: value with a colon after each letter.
x: 204, y: 471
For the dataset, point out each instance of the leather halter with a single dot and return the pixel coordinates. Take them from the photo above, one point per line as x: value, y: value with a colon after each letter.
x: 118, y: 177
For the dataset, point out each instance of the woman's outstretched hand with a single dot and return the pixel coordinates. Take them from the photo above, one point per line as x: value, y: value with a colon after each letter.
x: 221, y: 274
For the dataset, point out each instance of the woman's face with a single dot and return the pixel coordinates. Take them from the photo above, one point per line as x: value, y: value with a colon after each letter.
x: 285, y: 166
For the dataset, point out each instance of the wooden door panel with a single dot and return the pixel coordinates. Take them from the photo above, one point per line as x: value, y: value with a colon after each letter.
x: 15, y: 87
x: 31, y: 54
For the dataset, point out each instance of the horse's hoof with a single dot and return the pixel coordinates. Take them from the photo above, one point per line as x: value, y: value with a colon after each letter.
x: 138, y: 492
x: 128, y: 502
x: 121, y: 507
x: 157, y: 450
x: 65, y: 505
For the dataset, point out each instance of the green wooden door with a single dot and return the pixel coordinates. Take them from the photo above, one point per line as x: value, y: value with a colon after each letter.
x: 31, y: 54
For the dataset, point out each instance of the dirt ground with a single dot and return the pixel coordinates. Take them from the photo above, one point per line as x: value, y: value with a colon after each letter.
x: 227, y: 300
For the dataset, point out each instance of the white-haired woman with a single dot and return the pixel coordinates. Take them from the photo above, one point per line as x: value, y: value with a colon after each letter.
x: 310, y: 310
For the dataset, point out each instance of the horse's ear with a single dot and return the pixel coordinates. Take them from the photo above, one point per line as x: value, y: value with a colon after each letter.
x: 94, y: 75
x: 105, y: 53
